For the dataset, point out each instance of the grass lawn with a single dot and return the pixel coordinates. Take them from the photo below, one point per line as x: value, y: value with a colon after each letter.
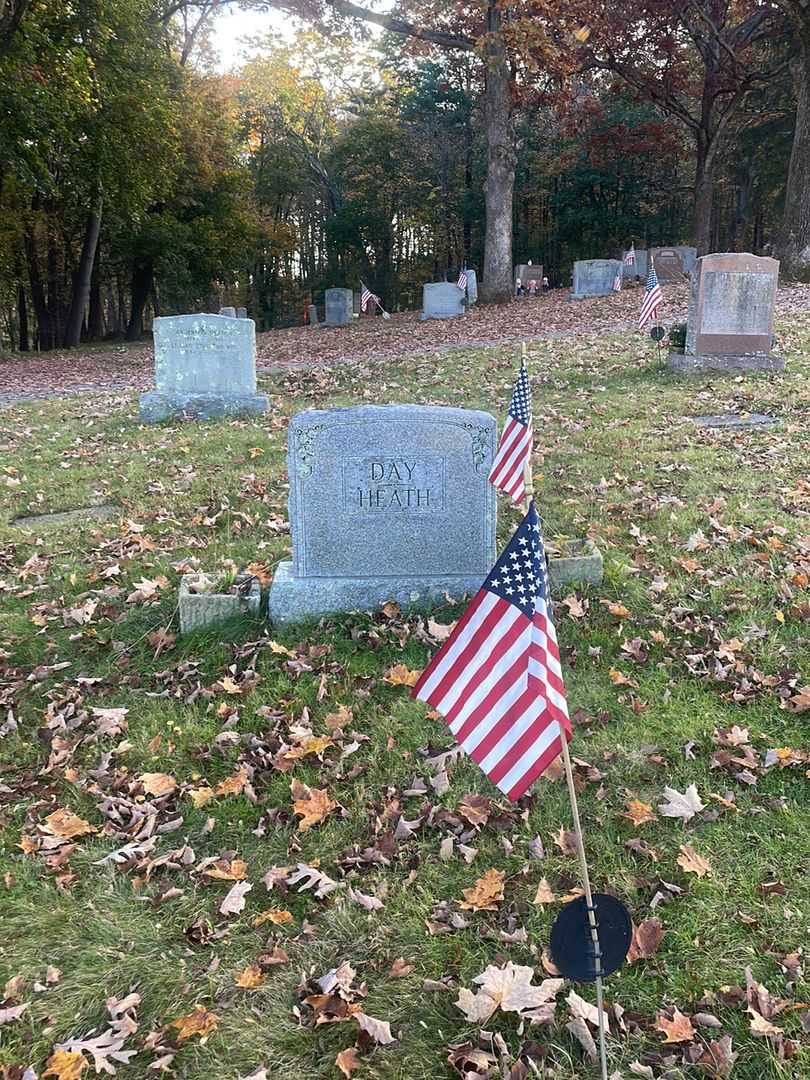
x: 702, y: 623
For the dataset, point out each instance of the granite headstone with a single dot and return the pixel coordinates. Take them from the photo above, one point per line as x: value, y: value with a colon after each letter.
x: 526, y: 272
x: 387, y: 502
x: 594, y: 277
x: 472, y: 287
x: 730, y: 322
x: 441, y: 300
x: 312, y: 315
x: 228, y: 312
x: 205, y: 367
x: 241, y: 313
x: 669, y: 267
x: 339, y: 307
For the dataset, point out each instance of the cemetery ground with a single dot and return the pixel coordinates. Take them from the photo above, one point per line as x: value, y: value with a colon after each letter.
x: 214, y: 827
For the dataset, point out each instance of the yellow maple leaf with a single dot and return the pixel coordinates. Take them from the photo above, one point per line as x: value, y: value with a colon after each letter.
x: 250, y: 977
x: 311, y: 804
x: 201, y: 795
x: 315, y: 744
x: 200, y: 1022
x: 65, y: 1065
x: 157, y: 783
x: 66, y: 824
x: 693, y: 863
x: 486, y: 893
x: 222, y: 870
x: 277, y: 916
x: 232, y: 785
x: 229, y: 686
x: 639, y: 812
x: 400, y: 675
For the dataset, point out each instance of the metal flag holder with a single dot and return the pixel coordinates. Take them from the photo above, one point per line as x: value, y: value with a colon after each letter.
x: 591, y: 936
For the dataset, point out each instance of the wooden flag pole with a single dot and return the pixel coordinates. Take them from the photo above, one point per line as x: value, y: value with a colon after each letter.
x: 528, y: 478
x: 528, y: 483
x: 586, y: 883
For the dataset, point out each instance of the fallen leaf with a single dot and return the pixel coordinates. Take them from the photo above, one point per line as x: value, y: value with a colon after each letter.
x: 222, y: 870
x: 311, y: 804
x: 65, y: 1065
x: 379, y: 1030
x: 682, y: 805
x: 544, y: 894
x: 678, y: 1029
x: 250, y: 977
x: 201, y: 1022
x: 647, y: 936
x: 274, y: 915
x: 234, y: 902
x: 510, y: 989
x: 476, y: 809
x: 347, y: 1061
x: 66, y: 824
x: 692, y: 863
x: 399, y: 675
x: 157, y: 783
x: 486, y: 894
x: 639, y: 812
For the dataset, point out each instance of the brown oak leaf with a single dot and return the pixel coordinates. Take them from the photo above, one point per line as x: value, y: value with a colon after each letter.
x: 66, y: 824
x: 201, y: 1022
x: 311, y: 804
x: 486, y: 893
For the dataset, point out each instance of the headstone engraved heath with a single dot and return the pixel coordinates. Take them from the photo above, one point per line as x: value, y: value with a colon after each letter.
x: 205, y: 367
x: 387, y: 502
x: 730, y: 323
x: 594, y: 277
x: 441, y: 300
x: 339, y: 307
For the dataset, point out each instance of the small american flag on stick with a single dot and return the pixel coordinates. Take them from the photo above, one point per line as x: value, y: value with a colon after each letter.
x: 515, y: 446
x: 462, y: 279
x: 630, y: 256
x: 617, y: 282
x: 365, y: 295
x: 497, y: 679
x: 653, y: 298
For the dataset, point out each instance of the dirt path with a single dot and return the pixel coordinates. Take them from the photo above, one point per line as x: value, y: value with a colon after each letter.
x: 130, y: 367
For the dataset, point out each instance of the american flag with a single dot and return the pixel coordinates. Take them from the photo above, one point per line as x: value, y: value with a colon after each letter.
x: 497, y: 679
x: 365, y: 295
x: 462, y: 279
x: 617, y: 282
x: 653, y: 298
x: 630, y: 256
x: 515, y: 446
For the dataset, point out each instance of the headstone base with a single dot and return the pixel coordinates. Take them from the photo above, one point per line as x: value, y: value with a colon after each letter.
x: 155, y: 406
x: 688, y: 364
x: 199, y: 610
x: 295, y: 599
x: 734, y: 420
x: 580, y: 562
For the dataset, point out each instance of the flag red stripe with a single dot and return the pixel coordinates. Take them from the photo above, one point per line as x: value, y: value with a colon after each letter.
x: 475, y: 603
x: 534, y: 771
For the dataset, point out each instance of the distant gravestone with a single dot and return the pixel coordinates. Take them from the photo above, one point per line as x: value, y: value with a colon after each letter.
x: 387, y: 502
x: 594, y: 277
x: 339, y: 307
x: 228, y: 312
x: 312, y: 315
x: 357, y: 300
x: 472, y: 287
x: 441, y: 300
x: 688, y: 256
x: 241, y: 313
x: 734, y: 420
x: 638, y: 268
x: 668, y: 265
x: 730, y: 323
x: 205, y: 367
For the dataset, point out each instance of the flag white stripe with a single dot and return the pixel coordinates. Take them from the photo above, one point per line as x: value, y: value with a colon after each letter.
x: 482, y: 689
x: 504, y: 704
x: 516, y: 453
x: 460, y: 642
x: 513, y: 734
x: 535, y: 751
x: 476, y: 661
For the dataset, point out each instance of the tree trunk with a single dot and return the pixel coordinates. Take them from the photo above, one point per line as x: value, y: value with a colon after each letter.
x: 95, y: 315
x: 84, y: 277
x: 496, y: 286
x: 793, y: 245
x: 142, y: 272
x: 704, y: 196
x: 45, y: 334
x: 22, y: 318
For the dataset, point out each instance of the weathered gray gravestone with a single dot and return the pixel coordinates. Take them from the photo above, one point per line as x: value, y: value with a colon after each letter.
x: 241, y: 313
x: 668, y: 265
x: 594, y: 277
x: 387, y: 502
x: 228, y: 312
x: 730, y: 323
x: 526, y: 272
x: 339, y: 307
x: 637, y: 269
x: 312, y: 315
x: 441, y: 300
x: 205, y: 367
x: 472, y: 287
x: 688, y: 255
